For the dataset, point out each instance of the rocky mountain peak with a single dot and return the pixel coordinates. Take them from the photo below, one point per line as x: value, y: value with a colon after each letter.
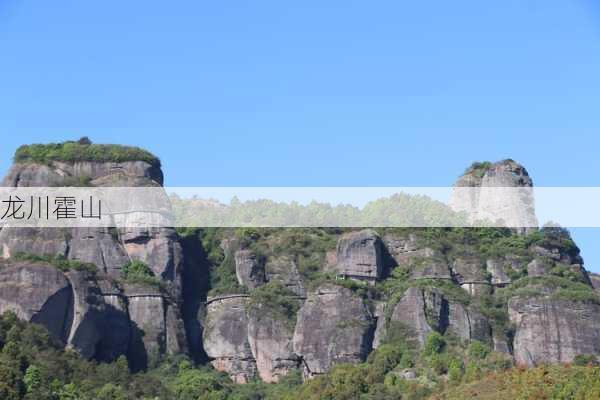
x: 99, y: 324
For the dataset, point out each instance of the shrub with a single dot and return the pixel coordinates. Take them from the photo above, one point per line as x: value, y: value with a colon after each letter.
x: 478, y: 350
x: 136, y: 271
x: 83, y: 150
x: 478, y: 168
x: 60, y: 262
x: 455, y: 371
x: 276, y: 301
x: 585, y: 359
x: 434, y: 344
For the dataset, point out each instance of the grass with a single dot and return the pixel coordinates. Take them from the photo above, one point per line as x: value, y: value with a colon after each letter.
x: 139, y: 273
x: 546, y: 382
x: 60, y: 262
x: 72, y: 151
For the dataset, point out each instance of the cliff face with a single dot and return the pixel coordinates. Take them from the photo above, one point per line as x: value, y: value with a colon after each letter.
x: 300, y: 299
x: 498, y: 191
x: 101, y: 317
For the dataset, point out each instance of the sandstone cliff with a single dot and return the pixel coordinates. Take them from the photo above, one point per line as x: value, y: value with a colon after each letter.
x: 101, y: 318
x: 261, y: 303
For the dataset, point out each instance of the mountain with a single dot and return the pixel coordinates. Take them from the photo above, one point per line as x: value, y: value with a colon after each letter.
x: 406, y: 310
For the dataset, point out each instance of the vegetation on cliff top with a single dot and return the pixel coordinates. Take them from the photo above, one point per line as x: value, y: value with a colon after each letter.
x: 82, y: 150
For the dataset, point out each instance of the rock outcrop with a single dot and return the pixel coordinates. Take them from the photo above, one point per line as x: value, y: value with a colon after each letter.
x: 402, y: 284
x: 250, y: 271
x: 271, y: 343
x: 100, y: 321
x: 470, y: 274
x: 226, y: 337
x: 554, y: 331
x: 359, y: 256
x: 334, y: 326
x: 496, y: 192
x: 37, y: 292
x: 284, y: 270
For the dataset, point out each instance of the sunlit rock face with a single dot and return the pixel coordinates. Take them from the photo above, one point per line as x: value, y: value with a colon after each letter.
x: 499, y: 192
x: 554, y: 331
x: 225, y: 337
x: 359, y: 256
x: 102, y: 322
x: 249, y: 269
x: 334, y: 326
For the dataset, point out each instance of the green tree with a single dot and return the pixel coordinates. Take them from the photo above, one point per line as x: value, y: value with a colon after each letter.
x: 434, y: 344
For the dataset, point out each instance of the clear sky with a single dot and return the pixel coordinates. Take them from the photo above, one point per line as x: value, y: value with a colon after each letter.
x: 336, y: 93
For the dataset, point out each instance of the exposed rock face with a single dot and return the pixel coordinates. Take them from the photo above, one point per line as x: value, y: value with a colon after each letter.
x: 101, y: 321
x: 359, y: 255
x: 422, y: 311
x: 411, y: 312
x: 102, y: 317
x: 497, y: 271
x: 403, y: 248
x: 250, y: 271
x: 595, y: 281
x: 429, y: 264
x: 89, y: 314
x: 504, y: 194
x: 467, y: 323
x: 128, y: 173
x: 554, y: 331
x: 226, y: 337
x: 37, y: 292
x: 271, y: 343
x: 380, y: 327
x: 537, y: 267
x: 334, y: 326
x: 116, y: 331
x: 283, y: 269
x: 470, y: 275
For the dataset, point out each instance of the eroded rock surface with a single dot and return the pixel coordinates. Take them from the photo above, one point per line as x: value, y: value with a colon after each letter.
x: 553, y: 331
x: 503, y: 194
x: 37, y: 292
x: 225, y: 337
x: 249, y: 269
x: 359, y: 255
x: 270, y: 338
x: 100, y: 320
x: 334, y: 326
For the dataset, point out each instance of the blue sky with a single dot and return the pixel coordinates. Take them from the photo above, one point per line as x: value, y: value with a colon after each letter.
x: 336, y: 93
